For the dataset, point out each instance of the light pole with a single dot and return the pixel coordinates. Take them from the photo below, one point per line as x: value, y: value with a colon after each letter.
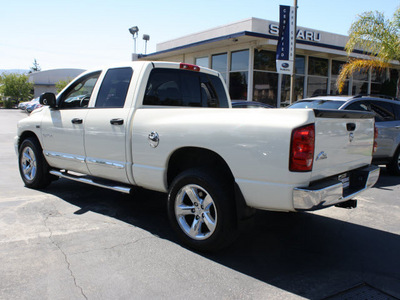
x: 146, y: 38
x: 134, y: 31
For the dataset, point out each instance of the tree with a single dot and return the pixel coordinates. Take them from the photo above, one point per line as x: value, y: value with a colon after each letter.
x: 62, y: 84
x: 377, y: 37
x: 35, y: 67
x: 16, y: 87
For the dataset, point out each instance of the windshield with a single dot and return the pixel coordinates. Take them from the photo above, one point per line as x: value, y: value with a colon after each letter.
x: 317, y: 103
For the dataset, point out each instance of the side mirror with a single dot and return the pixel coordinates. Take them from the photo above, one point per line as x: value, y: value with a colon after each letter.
x: 48, y: 99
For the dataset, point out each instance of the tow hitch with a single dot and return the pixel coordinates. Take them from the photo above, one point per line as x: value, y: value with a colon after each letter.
x: 349, y: 204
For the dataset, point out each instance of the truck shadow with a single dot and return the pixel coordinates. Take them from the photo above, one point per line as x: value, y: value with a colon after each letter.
x: 302, y: 253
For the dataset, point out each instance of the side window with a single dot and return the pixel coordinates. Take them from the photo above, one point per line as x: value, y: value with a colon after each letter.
x: 163, y: 88
x: 114, y: 88
x: 78, y: 95
x: 383, y: 111
x: 170, y: 87
x: 212, y: 87
x: 358, y: 105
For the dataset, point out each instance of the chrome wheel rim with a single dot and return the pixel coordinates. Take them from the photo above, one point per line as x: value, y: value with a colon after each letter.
x: 28, y: 163
x: 195, y: 212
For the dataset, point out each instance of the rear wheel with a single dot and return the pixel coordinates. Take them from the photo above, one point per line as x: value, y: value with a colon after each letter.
x: 32, y: 165
x: 394, y: 166
x: 201, y: 210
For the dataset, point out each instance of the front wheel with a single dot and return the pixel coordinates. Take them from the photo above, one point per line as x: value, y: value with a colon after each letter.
x: 201, y: 209
x: 32, y: 164
x: 394, y: 166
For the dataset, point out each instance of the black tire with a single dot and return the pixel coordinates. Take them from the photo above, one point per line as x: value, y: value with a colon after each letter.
x: 201, y: 209
x: 394, y: 166
x: 33, y: 167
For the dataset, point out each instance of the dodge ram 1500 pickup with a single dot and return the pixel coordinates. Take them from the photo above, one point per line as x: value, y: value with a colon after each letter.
x: 170, y: 127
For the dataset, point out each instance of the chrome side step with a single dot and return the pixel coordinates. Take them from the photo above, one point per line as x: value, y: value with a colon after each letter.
x: 108, y: 184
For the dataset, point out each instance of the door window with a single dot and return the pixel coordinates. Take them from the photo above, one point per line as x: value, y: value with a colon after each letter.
x: 78, y: 94
x: 114, y: 88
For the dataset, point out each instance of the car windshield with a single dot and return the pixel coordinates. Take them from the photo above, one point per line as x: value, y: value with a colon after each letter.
x: 317, y: 103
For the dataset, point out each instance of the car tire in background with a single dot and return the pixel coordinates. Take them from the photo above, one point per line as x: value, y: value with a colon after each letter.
x: 394, y: 166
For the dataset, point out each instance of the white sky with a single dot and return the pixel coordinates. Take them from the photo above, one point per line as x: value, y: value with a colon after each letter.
x: 88, y: 33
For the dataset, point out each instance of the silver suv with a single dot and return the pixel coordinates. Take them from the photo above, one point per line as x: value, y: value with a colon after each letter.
x: 387, y: 120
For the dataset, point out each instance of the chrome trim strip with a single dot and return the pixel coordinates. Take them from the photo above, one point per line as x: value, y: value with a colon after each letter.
x: 111, y: 164
x: 69, y: 157
x: 312, y: 199
x: 108, y: 185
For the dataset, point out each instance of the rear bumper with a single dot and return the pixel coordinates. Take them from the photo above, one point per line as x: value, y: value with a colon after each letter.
x: 330, y: 192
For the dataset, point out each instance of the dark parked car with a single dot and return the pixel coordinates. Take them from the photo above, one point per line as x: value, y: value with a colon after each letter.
x: 249, y: 104
x: 387, y: 120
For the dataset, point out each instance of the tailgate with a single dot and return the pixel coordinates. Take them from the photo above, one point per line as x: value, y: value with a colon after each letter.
x: 343, y: 141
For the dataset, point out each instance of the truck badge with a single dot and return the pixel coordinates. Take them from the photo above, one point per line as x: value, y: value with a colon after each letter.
x: 322, y: 155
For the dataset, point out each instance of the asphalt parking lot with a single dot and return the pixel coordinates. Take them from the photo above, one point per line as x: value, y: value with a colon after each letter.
x: 74, y: 241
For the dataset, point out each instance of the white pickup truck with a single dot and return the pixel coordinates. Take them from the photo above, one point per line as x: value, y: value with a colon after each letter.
x: 170, y: 127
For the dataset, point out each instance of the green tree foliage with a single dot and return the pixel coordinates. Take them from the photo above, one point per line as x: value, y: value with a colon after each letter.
x: 15, y: 87
x: 35, y: 67
x: 61, y: 84
x: 377, y: 37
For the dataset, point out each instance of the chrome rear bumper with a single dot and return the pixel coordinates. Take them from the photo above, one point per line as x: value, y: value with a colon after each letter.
x: 331, y: 192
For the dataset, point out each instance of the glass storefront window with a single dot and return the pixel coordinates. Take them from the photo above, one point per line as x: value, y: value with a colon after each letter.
x: 360, y: 87
x: 334, y: 89
x: 317, y: 66
x: 360, y: 76
x: 202, y: 61
x: 316, y: 86
x: 300, y: 65
x: 219, y: 62
x: 285, y: 89
x: 264, y: 60
x: 265, y: 87
x: 238, y: 83
x: 337, y: 67
x: 240, y: 60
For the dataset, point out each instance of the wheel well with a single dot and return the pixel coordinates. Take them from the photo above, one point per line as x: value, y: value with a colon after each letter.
x: 191, y: 157
x: 25, y: 135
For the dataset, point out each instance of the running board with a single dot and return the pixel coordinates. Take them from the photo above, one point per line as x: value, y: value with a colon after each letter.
x: 108, y: 184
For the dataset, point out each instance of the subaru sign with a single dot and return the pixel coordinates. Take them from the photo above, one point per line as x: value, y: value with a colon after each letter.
x: 285, y: 47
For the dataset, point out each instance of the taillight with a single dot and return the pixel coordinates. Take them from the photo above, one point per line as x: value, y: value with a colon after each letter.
x: 375, y: 137
x: 302, y: 149
x: 189, y: 67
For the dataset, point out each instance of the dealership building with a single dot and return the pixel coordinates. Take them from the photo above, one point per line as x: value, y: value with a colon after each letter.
x: 244, y: 53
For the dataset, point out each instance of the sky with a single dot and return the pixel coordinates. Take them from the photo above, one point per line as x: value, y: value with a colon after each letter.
x: 88, y: 33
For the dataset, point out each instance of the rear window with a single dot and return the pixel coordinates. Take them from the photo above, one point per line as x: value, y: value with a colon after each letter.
x: 315, y: 103
x: 171, y: 87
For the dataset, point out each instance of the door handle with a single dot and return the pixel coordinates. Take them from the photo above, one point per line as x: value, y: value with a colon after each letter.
x: 117, y: 121
x: 76, y: 121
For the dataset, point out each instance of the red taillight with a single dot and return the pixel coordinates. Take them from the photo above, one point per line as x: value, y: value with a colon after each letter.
x: 189, y: 67
x: 302, y: 149
x: 375, y: 137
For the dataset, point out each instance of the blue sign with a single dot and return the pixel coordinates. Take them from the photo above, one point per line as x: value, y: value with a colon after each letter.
x: 285, y: 47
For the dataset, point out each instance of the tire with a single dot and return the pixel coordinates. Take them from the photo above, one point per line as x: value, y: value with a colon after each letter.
x: 201, y: 209
x: 394, y: 166
x: 33, y: 167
